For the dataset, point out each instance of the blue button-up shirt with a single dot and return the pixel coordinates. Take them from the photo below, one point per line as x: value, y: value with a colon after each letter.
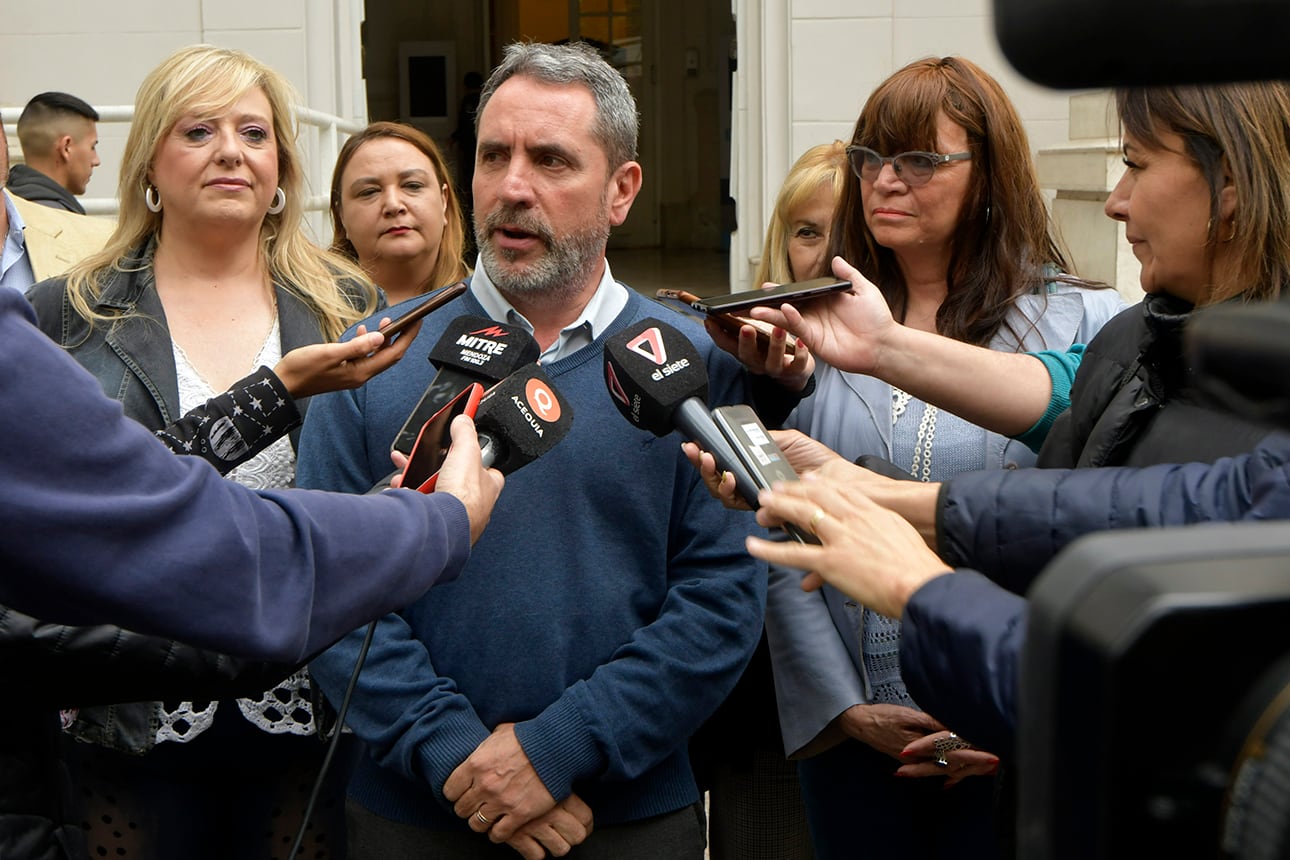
x: 606, y: 304
x: 15, y: 265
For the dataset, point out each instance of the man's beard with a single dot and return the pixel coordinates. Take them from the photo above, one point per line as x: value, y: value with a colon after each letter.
x: 559, y: 274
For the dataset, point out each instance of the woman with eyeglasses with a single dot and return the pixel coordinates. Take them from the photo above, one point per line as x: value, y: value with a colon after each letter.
x: 1205, y: 201
x: 941, y: 209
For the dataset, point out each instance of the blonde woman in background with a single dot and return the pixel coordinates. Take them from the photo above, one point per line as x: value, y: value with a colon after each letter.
x: 798, y: 233
x: 755, y: 809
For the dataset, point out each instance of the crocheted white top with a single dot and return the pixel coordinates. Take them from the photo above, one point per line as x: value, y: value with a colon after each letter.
x: 286, y: 709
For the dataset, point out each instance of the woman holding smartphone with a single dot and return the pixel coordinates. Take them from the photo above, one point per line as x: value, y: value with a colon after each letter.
x: 941, y: 209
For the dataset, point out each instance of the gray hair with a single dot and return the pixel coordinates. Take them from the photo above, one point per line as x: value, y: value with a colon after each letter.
x: 575, y: 63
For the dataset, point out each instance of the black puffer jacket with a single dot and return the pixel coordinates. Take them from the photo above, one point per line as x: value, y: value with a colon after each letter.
x: 1134, y: 400
x: 52, y: 666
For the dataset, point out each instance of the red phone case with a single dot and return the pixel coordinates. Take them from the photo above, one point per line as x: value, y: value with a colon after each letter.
x: 422, y: 470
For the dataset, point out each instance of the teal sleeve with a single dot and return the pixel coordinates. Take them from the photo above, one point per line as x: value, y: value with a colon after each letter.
x: 1061, y: 367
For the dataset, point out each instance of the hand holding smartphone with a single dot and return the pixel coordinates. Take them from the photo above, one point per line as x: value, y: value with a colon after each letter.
x: 436, y: 301
x: 758, y: 454
x: 730, y: 323
x: 792, y: 293
x: 435, y: 438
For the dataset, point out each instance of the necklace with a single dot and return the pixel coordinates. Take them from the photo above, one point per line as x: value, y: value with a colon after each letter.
x: 922, y: 466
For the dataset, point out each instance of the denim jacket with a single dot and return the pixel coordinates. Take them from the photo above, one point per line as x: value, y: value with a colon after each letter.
x: 133, y: 359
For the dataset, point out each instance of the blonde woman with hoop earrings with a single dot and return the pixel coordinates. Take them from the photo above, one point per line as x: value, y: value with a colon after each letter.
x: 212, y: 317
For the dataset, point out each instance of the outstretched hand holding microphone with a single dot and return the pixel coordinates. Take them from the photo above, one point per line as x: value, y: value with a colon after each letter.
x: 658, y: 382
x: 464, y: 475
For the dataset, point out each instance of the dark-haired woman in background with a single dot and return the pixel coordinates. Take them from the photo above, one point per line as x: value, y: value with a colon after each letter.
x: 942, y: 211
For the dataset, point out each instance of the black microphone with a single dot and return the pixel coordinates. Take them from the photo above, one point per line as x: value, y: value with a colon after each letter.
x: 517, y: 420
x: 472, y: 349
x: 521, y: 418
x: 659, y: 382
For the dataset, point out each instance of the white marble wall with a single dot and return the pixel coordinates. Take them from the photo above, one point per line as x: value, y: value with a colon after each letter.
x: 100, y: 50
x: 835, y: 52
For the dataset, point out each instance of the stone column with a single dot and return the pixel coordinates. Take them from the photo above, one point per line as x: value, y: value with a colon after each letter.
x: 1081, y: 174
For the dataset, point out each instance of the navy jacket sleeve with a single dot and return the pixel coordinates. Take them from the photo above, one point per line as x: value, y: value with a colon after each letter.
x: 1010, y: 524
x: 103, y: 524
x: 204, y: 430
x: 960, y: 651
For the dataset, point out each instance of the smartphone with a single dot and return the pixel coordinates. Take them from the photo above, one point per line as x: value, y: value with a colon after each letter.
x: 435, y: 439
x: 437, y: 300
x: 798, y: 291
x: 758, y: 453
x: 729, y: 323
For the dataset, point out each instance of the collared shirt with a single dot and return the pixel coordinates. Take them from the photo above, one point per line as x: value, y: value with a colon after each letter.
x: 15, y: 266
x: 606, y: 304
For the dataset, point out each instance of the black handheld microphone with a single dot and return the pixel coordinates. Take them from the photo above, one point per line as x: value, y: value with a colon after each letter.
x: 521, y: 418
x: 659, y: 382
x: 472, y: 349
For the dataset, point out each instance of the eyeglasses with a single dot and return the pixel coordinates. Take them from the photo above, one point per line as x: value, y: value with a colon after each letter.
x: 912, y: 168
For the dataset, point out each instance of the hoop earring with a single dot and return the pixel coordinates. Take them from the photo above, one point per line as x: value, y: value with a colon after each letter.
x: 151, y: 198
x: 279, y: 201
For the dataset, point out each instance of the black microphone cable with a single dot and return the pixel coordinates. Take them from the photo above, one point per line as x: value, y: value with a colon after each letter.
x: 334, y: 740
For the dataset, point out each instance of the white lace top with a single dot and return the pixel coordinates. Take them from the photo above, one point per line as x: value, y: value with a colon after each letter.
x: 286, y: 708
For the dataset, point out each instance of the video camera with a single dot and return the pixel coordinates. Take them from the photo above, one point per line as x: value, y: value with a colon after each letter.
x: 1154, y: 718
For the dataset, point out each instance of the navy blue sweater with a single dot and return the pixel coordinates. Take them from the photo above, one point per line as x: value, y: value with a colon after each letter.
x: 607, y: 610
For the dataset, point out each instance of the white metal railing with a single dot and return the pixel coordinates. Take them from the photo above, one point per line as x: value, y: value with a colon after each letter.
x: 321, y: 137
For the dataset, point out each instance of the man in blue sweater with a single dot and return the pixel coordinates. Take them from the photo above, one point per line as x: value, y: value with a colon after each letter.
x: 611, y: 606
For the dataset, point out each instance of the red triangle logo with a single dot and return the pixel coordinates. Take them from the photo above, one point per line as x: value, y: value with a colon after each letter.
x: 615, y: 387
x: 649, y: 344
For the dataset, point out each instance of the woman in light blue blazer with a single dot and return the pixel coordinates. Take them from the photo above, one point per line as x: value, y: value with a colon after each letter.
x: 942, y: 211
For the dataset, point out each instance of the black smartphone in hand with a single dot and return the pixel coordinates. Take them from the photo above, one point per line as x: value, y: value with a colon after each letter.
x: 434, y: 302
x: 797, y: 291
x: 730, y: 323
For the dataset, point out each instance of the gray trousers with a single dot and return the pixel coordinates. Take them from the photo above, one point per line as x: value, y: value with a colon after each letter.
x: 675, y: 836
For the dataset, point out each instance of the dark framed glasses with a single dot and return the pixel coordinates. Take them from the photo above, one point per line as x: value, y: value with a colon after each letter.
x: 912, y: 168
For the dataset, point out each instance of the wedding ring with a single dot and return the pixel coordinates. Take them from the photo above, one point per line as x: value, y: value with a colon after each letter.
x: 479, y: 813
x: 816, y: 519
